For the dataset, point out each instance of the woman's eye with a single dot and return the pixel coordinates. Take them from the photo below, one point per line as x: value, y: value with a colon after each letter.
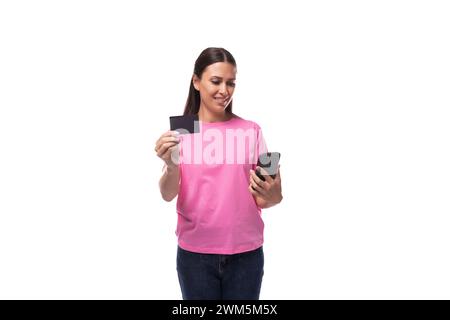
x: 232, y: 84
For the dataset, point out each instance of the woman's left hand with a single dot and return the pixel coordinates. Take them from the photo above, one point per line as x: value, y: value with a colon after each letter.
x: 267, y: 193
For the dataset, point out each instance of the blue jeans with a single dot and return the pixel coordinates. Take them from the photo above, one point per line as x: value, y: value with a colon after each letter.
x: 220, y: 276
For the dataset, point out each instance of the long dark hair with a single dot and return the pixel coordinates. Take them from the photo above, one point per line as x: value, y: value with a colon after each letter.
x: 208, y: 56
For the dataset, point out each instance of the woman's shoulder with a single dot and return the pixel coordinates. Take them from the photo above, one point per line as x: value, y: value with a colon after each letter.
x: 246, y: 122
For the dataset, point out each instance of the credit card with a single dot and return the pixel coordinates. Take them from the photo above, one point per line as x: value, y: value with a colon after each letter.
x: 184, y: 124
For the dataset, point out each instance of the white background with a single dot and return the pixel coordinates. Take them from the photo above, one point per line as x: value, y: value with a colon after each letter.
x: 354, y: 94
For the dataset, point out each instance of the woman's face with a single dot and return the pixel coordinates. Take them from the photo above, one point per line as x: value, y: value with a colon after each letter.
x: 216, y: 86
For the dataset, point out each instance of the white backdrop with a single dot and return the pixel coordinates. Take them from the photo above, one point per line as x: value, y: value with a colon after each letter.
x: 354, y: 94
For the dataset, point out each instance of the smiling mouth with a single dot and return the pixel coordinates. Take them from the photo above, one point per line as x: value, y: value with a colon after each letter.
x: 221, y: 101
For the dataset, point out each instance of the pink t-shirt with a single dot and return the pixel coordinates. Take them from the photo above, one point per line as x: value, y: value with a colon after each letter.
x: 216, y: 211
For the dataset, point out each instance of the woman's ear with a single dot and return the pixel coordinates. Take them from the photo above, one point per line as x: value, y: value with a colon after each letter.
x: 195, y: 81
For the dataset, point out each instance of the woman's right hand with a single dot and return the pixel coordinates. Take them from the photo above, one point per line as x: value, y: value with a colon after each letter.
x: 165, y: 145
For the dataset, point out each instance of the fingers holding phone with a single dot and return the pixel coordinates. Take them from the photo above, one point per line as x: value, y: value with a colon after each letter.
x: 256, y: 183
x: 265, y: 181
x: 269, y: 191
x: 261, y: 180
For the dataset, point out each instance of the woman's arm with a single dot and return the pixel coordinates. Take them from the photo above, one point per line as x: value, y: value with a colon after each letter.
x: 167, y: 149
x: 170, y: 182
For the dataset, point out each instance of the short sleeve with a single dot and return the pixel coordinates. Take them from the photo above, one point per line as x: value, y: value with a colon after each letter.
x: 261, y: 145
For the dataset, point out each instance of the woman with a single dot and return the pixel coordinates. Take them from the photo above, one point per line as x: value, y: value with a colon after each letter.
x: 220, y: 230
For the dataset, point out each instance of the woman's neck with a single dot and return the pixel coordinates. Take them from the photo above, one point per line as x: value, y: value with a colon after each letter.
x: 206, y: 116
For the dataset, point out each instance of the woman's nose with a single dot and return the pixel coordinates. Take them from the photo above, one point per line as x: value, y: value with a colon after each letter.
x: 223, y: 89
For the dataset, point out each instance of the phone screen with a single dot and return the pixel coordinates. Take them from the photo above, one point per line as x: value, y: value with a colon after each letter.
x: 269, y: 162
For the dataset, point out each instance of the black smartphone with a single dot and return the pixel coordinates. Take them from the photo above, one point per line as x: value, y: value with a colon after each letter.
x: 184, y: 124
x: 269, y: 162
